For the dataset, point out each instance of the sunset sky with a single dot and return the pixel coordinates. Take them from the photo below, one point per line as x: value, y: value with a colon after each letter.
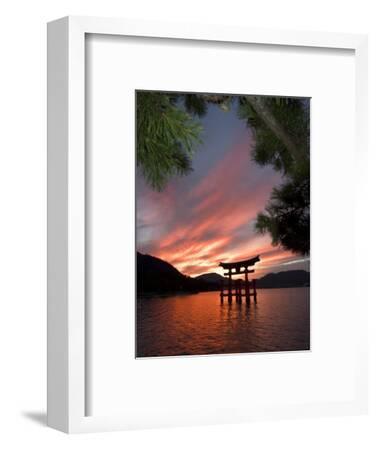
x: 208, y: 216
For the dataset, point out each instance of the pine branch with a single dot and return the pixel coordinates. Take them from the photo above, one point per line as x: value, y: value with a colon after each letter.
x: 261, y: 108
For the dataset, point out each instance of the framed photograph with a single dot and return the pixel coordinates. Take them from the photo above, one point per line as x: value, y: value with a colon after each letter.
x: 205, y: 241
x: 202, y: 237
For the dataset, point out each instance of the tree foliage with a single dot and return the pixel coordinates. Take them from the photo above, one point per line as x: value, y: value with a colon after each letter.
x: 287, y: 214
x: 166, y: 137
x: 281, y: 130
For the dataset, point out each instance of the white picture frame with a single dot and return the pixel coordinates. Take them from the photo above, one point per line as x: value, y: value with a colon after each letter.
x: 67, y: 333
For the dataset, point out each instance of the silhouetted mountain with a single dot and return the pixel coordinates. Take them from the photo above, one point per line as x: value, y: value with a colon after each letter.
x: 211, y: 278
x: 156, y: 275
x: 289, y: 278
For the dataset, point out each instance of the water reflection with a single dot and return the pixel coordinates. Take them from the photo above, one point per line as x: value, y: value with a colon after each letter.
x: 198, y: 324
x: 248, y: 310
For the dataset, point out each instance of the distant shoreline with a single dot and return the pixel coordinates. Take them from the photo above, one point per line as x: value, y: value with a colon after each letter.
x: 172, y: 293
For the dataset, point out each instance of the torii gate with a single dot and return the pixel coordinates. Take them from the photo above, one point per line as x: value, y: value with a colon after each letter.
x: 237, y: 268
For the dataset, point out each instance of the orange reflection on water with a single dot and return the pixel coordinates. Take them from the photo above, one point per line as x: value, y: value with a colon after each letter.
x: 198, y: 324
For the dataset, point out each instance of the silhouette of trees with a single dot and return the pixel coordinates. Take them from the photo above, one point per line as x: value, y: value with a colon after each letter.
x: 168, y: 131
x: 282, y: 134
x: 166, y: 137
x: 287, y: 216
